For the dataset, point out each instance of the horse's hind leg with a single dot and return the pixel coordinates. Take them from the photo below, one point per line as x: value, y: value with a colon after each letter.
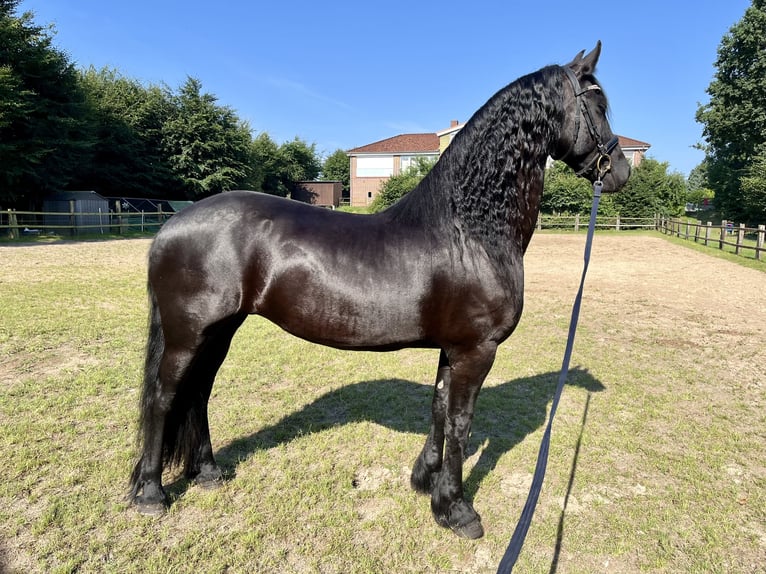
x: 174, y: 411
x: 159, y: 422
x: 429, y: 462
x: 201, y: 465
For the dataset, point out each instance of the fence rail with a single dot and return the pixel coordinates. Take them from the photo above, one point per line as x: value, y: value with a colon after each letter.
x: 738, y: 238
x: 576, y: 222
x: 17, y: 224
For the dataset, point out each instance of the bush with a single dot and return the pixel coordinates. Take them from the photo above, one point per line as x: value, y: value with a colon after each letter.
x: 397, y: 186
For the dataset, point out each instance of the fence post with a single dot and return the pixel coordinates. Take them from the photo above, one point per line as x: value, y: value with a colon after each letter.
x: 708, y: 227
x: 577, y: 222
x: 13, y: 223
x: 697, y: 226
x: 118, y: 211
x: 72, y: 217
x: 740, y: 238
x: 759, y: 241
x: 686, y: 232
x: 539, y: 221
x: 724, y: 225
x: 617, y: 224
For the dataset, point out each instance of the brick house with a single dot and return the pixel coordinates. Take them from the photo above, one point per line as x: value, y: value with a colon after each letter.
x: 372, y: 164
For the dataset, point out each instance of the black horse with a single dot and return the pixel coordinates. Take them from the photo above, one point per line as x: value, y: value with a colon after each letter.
x: 442, y: 268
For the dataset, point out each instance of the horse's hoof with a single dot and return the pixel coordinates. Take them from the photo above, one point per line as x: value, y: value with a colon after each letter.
x: 472, y: 530
x: 462, y: 519
x: 153, y: 509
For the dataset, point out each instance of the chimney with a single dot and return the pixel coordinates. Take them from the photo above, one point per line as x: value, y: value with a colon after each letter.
x: 454, y: 123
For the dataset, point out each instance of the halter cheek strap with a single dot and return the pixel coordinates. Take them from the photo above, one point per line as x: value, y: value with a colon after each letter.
x: 602, y: 161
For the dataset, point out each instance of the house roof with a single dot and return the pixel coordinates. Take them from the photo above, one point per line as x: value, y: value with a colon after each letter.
x: 630, y: 143
x: 404, y: 143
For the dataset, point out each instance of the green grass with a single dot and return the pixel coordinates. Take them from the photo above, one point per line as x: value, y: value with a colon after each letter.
x: 317, y: 444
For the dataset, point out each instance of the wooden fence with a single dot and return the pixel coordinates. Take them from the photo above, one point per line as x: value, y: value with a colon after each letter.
x: 577, y: 222
x: 738, y: 238
x: 18, y: 224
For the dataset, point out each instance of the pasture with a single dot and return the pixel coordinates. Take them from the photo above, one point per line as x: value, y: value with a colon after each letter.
x: 658, y: 453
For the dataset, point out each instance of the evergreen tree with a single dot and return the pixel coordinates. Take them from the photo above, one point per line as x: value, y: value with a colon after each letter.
x: 300, y: 162
x: 734, y: 119
x: 44, y: 127
x: 208, y: 147
x: 128, y: 158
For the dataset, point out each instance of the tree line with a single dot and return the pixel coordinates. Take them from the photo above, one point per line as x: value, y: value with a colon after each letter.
x: 734, y: 121
x: 64, y: 128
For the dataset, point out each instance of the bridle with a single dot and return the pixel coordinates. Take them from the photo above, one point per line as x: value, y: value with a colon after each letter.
x: 602, y: 160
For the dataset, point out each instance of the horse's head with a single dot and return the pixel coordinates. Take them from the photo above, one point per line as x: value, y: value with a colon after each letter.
x: 587, y: 143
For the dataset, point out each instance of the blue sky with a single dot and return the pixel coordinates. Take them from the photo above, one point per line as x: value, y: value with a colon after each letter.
x: 345, y: 74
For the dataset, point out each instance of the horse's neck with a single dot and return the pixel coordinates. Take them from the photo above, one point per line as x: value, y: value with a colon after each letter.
x: 486, y: 187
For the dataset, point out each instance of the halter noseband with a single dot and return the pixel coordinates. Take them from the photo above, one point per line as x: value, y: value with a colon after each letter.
x: 602, y: 160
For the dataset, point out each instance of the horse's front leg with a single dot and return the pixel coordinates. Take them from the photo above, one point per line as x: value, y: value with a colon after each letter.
x: 450, y: 509
x: 429, y: 462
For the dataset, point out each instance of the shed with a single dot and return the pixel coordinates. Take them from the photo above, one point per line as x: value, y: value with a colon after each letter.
x: 322, y: 193
x: 84, y: 210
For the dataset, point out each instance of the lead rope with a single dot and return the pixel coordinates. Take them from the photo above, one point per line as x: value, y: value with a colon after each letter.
x: 517, y: 540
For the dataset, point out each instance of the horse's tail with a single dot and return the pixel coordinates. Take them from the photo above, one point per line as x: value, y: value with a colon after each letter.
x: 155, y: 347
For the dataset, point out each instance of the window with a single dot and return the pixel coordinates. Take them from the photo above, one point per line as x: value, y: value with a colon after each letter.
x: 408, y: 161
x: 379, y: 166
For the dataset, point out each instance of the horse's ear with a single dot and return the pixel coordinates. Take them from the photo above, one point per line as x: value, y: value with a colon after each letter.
x: 584, y: 65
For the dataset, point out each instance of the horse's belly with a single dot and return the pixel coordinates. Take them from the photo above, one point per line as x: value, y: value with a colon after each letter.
x: 343, y: 316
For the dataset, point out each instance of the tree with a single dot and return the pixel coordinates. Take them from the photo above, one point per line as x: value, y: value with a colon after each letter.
x: 337, y: 167
x: 566, y: 193
x: 697, y: 188
x: 652, y: 190
x: 44, y: 127
x: 267, y: 166
x: 208, y: 147
x: 395, y: 187
x: 734, y: 120
x: 300, y: 162
x: 753, y: 186
x: 128, y: 156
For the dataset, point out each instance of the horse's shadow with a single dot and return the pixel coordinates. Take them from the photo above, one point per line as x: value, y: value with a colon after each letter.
x: 505, y: 414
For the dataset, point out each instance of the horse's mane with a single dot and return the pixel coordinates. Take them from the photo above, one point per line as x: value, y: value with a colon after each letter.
x: 489, y: 179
